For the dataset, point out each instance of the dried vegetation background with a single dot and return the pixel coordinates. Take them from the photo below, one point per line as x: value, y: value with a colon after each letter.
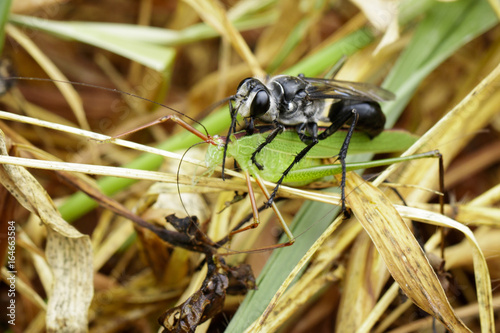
x: 89, y: 268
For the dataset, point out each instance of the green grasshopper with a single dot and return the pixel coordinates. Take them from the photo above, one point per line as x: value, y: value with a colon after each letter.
x: 278, y: 154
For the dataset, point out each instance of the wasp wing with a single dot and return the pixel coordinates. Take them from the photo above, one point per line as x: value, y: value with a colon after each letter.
x: 335, y: 89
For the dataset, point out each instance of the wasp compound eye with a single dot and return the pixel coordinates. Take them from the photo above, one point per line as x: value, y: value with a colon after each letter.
x: 260, y: 103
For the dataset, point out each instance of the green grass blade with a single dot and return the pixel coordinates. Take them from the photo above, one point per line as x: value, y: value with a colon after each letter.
x: 135, y: 33
x: 322, y: 60
x: 146, y: 45
x: 446, y: 28
x: 296, y: 35
x: 155, y: 56
x: 4, y: 15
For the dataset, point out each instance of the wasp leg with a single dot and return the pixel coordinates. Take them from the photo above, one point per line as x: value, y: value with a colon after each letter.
x: 342, y: 157
x: 279, y: 128
x: 343, y: 118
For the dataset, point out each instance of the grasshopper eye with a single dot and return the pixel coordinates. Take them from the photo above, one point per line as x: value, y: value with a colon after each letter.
x: 260, y: 103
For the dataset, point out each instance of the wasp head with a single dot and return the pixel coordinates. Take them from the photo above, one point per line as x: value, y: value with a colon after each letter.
x: 252, y: 98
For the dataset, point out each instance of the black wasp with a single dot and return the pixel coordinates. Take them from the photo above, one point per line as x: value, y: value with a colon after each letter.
x: 298, y: 101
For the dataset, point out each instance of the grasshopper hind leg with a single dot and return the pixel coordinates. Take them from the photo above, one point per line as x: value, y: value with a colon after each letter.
x: 256, y: 218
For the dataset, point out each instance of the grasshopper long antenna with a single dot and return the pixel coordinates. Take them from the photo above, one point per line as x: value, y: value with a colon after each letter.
x: 82, y: 84
x: 215, y: 105
x: 178, y: 176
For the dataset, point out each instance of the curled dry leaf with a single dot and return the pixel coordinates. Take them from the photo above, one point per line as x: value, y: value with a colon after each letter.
x: 400, y: 250
x: 201, y: 306
x: 208, y: 301
x: 69, y: 253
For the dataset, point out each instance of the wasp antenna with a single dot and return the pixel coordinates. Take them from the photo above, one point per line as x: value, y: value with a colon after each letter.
x: 82, y: 84
x: 232, y: 129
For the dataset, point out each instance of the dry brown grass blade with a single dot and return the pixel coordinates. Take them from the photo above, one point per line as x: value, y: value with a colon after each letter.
x: 25, y: 289
x: 468, y: 250
x: 69, y: 253
x: 53, y: 72
x: 363, y: 283
x: 470, y: 215
x: 383, y: 15
x: 214, y: 15
x: 401, y: 252
x: 425, y: 324
x: 276, y: 313
x: 481, y: 271
x: 488, y: 198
